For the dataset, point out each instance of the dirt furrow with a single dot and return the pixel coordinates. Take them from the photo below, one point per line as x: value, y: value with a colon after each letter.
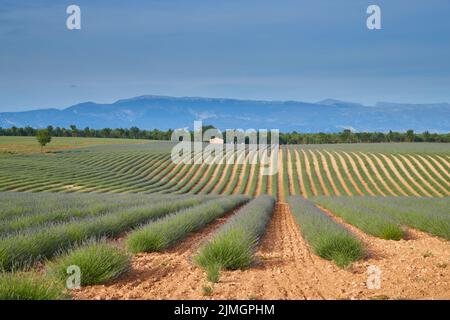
x: 281, y: 192
x: 251, y: 173
x: 398, y: 175
x: 424, y: 181
x: 408, y: 175
x: 270, y: 176
x: 433, y: 169
x: 444, y: 161
x: 234, y: 172
x: 347, y: 172
x: 367, y: 173
x: 378, y: 175
x: 290, y: 172
x: 299, y: 174
x: 260, y: 177
x: 439, y: 165
x: 309, y: 174
x: 198, y: 175
x: 212, y: 179
x: 388, y: 175
x: 328, y: 173
x: 358, y: 173
x: 242, y: 174
x: 225, y: 172
x: 183, y: 174
x: 425, y: 171
x: 338, y: 173
x: 318, y: 173
x: 283, y: 269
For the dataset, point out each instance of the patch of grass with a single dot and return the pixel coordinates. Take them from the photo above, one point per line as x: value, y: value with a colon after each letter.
x: 233, y: 245
x: 30, y: 145
x: 427, y: 254
x: 374, y: 223
x: 207, y: 290
x: 231, y: 250
x: 328, y: 239
x: 98, y: 262
x: 29, y: 286
x: 213, y: 272
x: 425, y: 214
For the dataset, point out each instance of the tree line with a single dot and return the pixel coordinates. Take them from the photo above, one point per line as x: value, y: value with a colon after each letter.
x: 345, y: 136
x: 73, y: 131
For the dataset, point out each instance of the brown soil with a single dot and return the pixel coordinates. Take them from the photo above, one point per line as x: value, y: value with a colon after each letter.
x: 212, y: 179
x: 285, y: 268
x: 368, y: 175
x: 251, y: 174
x: 433, y: 169
x: 348, y: 174
x: 386, y: 173
x: 222, y: 177
x: 439, y: 165
x: 328, y: 173
x: 270, y: 177
x: 260, y: 180
x: 290, y: 172
x: 408, y: 175
x: 398, y: 175
x: 444, y: 160
x: 183, y: 173
x: 281, y: 192
x: 377, y: 174
x: 209, y: 167
x: 234, y: 172
x: 338, y: 173
x: 160, y: 275
x: 72, y: 187
x: 152, y: 168
x: 299, y: 174
x: 420, y: 176
x: 318, y: 172
x: 242, y: 174
x: 309, y: 174
x: 358, y: 174
x: 414, y: 268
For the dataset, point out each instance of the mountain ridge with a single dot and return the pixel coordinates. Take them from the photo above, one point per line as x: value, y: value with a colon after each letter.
x: 164, y: 112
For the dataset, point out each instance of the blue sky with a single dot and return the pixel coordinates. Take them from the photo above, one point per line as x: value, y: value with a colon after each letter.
x: 254, y: 49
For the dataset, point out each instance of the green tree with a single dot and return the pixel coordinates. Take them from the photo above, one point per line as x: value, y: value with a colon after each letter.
x: 409, y: 136
x: 134, y: 132
x: 43, y: 137
x: 74, y: 130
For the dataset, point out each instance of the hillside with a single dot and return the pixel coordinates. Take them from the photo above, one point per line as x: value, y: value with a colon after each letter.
x: 149, y: 112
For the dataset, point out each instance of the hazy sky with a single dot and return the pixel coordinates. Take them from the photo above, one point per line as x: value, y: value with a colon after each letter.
x: 256, y: 49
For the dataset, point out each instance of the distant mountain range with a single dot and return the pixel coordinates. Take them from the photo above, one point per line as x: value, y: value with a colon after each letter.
x: 160, y: 112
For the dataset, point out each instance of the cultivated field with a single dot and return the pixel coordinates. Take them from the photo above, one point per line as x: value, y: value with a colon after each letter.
x: 147, y: 168
x: 141, y: 227
x: 21, y: 145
